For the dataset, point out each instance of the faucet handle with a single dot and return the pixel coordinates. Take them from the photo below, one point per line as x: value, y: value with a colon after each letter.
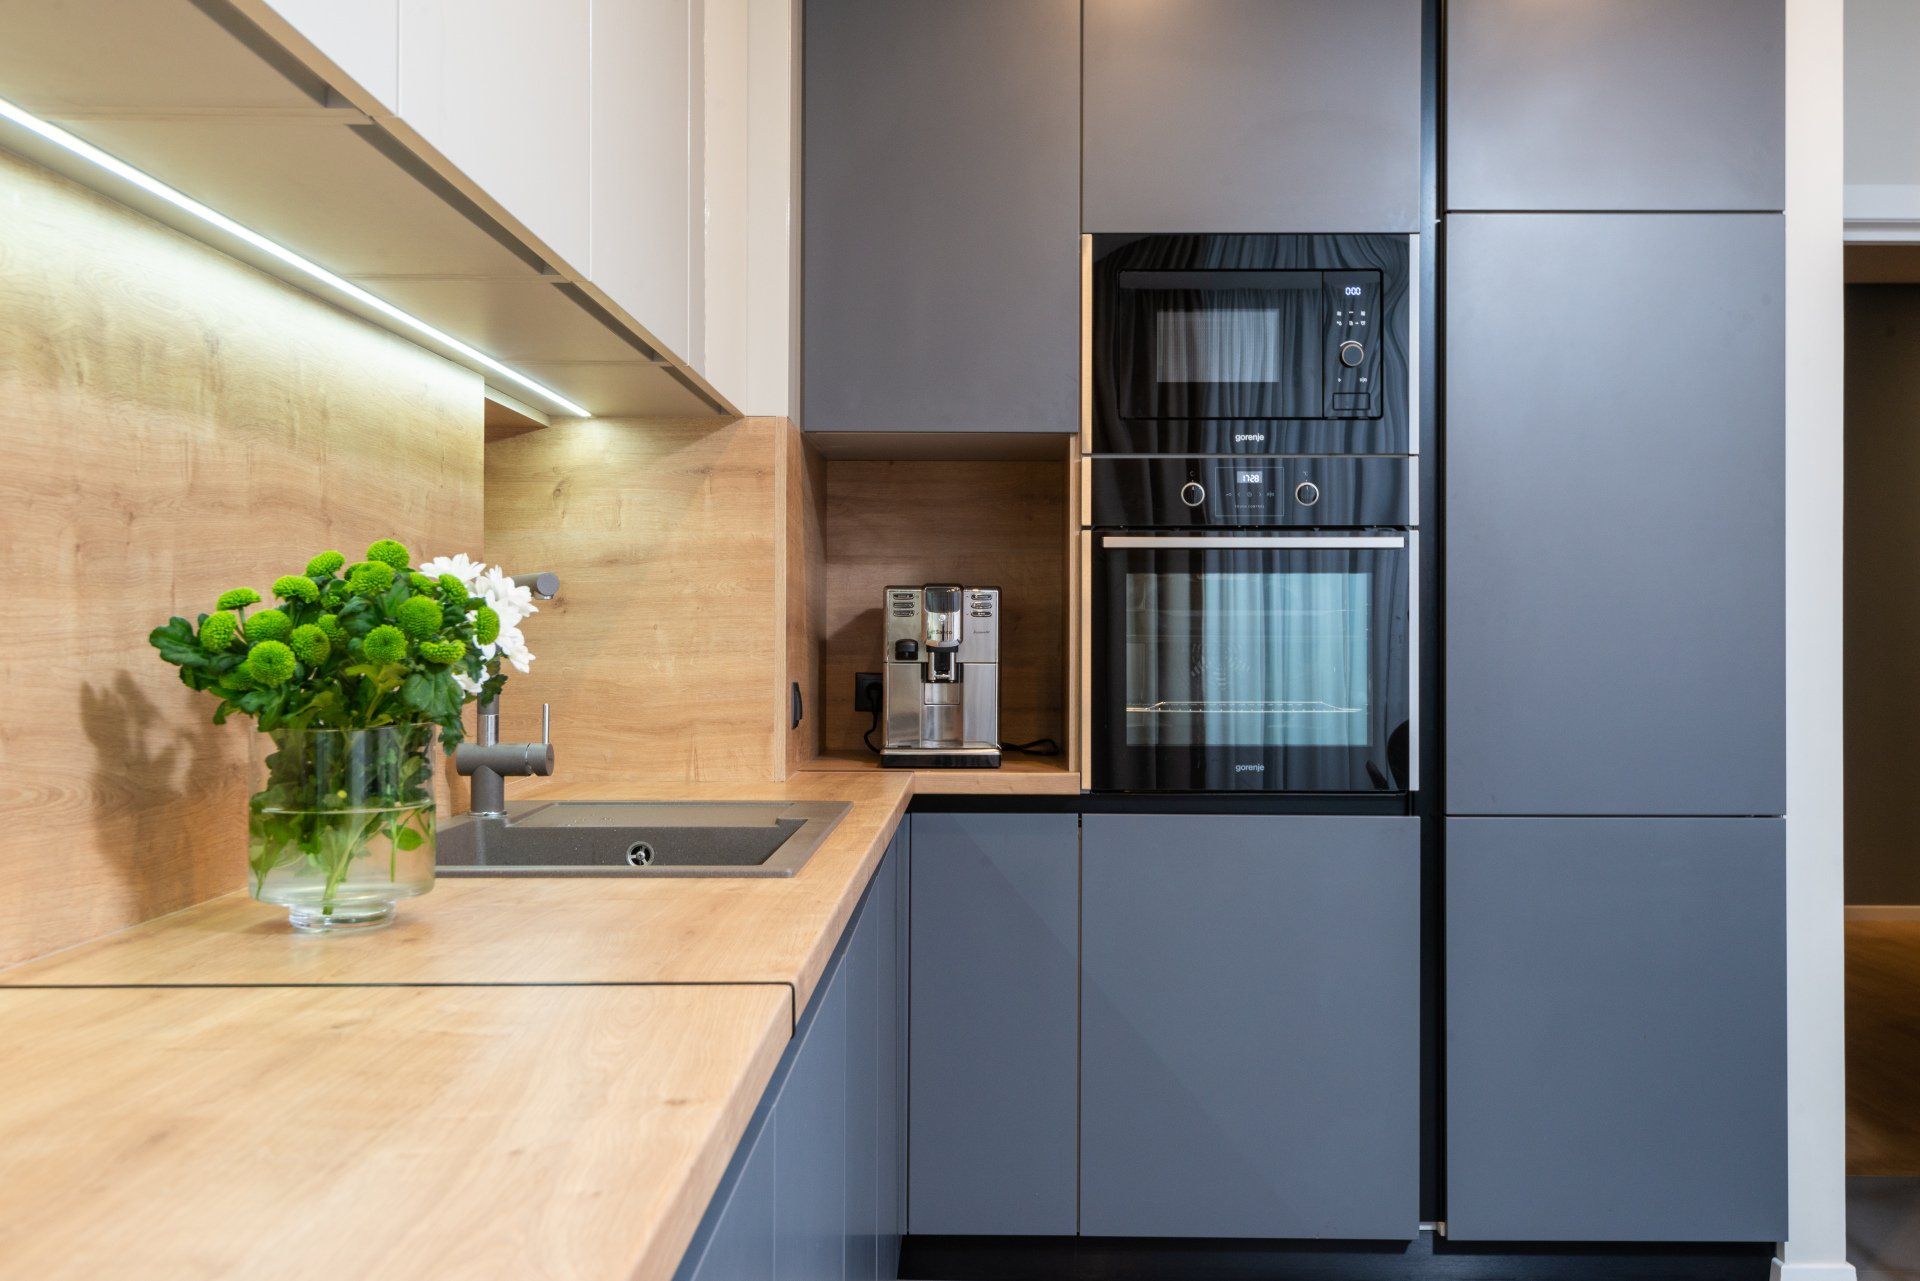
x: 546, y: 723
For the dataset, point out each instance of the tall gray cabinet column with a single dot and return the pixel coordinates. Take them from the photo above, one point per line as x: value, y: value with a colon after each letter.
x: 1615, y: 676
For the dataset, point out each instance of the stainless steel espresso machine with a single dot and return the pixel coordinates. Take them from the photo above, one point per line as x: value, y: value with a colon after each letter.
x: 942, y: 690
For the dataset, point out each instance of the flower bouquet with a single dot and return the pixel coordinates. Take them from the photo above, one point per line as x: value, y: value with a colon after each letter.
x: 350, y: 676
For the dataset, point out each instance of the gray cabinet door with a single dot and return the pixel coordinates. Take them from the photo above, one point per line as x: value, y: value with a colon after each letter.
x: 1631, y: 104
x: 941, y: 219
x: 1252, y: 115
x: 1250, y: 1023
x: 994, y: 940
x: 810, y: 1161
x: 860, y: 972
x: 739, y: 1246
x: 1615, y: 514
x: 1616, y: 1030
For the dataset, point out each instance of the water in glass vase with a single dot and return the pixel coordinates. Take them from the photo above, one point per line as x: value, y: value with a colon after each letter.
x: 343, y: 827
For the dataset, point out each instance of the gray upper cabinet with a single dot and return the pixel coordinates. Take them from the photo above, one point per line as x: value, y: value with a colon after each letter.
x: 941, y: 218
x: 1615, y: 515
x: 1250, y: 1024
x: 1630, y: 104
x: 994, y: 939
x: 1252, y: 115
x: 1616, y: 1030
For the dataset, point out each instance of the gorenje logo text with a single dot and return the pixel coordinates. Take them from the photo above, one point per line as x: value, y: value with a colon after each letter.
x: 1244, y: 438
x: 1249, y: 769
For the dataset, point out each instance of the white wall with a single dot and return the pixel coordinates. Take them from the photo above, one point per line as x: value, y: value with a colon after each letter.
x: 1883, y: 118
x: 1816, y: 1055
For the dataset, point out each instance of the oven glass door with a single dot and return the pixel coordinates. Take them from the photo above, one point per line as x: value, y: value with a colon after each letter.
x: 1219, y: 344
x: 1273, y: 663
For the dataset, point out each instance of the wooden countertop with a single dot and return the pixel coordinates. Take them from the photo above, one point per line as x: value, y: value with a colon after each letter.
x: 519, y: 1077
x: 529, y: 930
x: 372, y: 1132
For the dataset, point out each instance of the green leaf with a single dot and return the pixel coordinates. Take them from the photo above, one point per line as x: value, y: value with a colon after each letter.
x: 408, y: 839
x: 433, y: 695
x: 178, y: 644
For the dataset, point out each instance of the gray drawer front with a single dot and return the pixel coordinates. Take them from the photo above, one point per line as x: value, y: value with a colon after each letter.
x: 1250, y: 1024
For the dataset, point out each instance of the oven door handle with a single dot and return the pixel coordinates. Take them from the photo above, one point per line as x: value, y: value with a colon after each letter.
x: 1231, y: 542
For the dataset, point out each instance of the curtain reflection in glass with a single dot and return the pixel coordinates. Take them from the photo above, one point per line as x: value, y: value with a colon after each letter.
x: 1248, y: 659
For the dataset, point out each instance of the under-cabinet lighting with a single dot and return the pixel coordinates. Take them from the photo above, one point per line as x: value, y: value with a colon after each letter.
x: 153, y: 186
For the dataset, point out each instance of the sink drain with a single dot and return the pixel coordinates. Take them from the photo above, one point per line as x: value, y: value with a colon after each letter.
x: 639, y: 854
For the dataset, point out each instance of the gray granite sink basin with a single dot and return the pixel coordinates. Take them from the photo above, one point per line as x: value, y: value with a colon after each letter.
x: 639, y: 838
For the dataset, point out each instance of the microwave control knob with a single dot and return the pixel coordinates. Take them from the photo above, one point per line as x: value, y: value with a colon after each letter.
x: 1306, y: 493
x: 1192, y: 494
x: 1352, y: 353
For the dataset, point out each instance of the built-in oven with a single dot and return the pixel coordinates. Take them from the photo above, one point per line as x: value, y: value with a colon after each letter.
x: 1255, y: 624
x: 1253, y: 344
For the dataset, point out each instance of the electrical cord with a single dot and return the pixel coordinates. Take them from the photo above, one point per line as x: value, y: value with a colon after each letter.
x: 867, y: 737
x: 1035, y: 747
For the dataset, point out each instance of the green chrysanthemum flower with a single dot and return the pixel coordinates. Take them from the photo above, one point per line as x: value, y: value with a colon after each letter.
x: 443, y: 651
x: 310, y: 645
x: 234, y: 682
x: 219, y: 632
x: 423, y: 583
x: 370, y: 578
x: 268, y: 625
x: 326, y: 563
x: 393, y: 555
x: 329, y: 625
x: 296, y: 587
x: 385, y: 644
x: 486, y: 625
x: 452, y: 590
x: 270, y: 663
x: 418, y: 616
x: 238, y: 598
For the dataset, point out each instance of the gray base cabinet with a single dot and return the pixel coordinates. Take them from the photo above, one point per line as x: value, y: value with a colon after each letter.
x: 1616, y: 540
x: 1616, y: 1030
x: 1250, y: 1009
x: 994, y: 947
x: 1252, y: 115
x: 816, y: 1189
x: 1631, y: 104
x: 941, y: 274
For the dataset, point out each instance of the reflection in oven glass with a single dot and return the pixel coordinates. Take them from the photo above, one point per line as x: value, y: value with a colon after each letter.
x: 1248, y: 660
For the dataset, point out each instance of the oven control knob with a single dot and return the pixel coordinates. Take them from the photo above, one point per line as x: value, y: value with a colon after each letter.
x: 1192, y: 493
x: 1352, y: 353
x: 1306, y: 493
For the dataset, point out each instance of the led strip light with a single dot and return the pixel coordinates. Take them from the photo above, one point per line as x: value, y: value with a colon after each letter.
x: 312, y: 270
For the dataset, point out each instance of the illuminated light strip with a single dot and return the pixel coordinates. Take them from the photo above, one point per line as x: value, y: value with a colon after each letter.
x: 153, y: 186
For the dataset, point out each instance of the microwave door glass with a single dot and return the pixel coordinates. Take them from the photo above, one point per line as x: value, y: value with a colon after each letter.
x: 1221, y: 344
x: 1239, y: 660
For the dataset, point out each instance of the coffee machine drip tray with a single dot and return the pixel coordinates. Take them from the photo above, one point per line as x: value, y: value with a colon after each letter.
x: 947, y: 756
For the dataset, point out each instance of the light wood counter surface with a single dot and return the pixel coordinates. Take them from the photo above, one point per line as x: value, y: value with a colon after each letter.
x: 529, y: 930
x: 372, y: 1132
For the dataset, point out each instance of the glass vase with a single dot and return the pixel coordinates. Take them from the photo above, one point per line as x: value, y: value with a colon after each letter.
x: 341, y: 827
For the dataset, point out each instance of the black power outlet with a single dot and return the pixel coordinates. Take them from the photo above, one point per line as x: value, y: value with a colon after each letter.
x: 866, y: 691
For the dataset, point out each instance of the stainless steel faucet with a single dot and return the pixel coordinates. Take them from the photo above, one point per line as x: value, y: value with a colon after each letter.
x: 488, y: 761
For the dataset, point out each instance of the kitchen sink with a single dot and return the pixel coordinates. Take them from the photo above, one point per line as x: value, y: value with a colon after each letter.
x: 639, y: 838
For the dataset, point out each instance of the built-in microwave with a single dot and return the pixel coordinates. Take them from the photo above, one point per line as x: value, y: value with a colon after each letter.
x: 1254, y: 344
x: 1256, y: 624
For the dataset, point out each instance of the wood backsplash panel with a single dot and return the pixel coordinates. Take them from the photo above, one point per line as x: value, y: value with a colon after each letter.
x: 175, y: 423
x: 664, y: 653
x: 981, y: 524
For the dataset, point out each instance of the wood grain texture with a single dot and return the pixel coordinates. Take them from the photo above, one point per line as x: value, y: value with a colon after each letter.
x: 662, y: 652
x: 983, y: 524
x: 175, y: 424
x: 537, y: 930
x: 373, y: 1133
x: 1017, y: 775
x: 1883, y: 1045
x: 806, y: 589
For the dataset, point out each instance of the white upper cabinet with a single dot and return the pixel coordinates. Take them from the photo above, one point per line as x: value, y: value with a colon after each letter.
x: 361, y: 37
x: 503, y: 89
x: 646, y: 165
